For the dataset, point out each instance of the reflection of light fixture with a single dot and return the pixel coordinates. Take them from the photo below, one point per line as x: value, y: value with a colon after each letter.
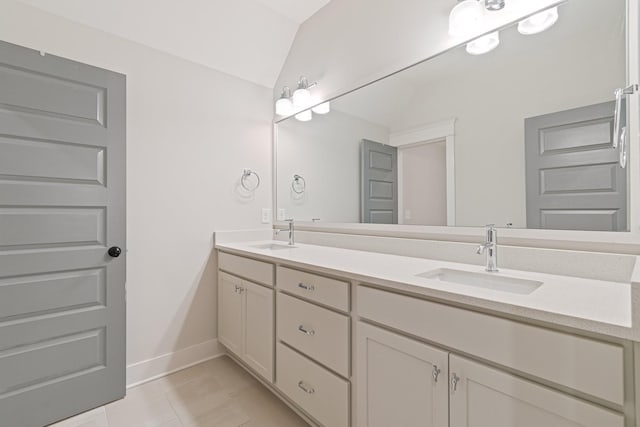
x: 484, y: 44
x: 302, y: 96
x: 304, y: 116
x: 494, y: 4
x: 301, y: 99
x: 323, y: 108
x: 465, y: 17
x: 284, y: 106
x: 539, y: 22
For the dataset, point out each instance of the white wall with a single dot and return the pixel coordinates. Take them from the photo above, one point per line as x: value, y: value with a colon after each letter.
x: 423, y: 184
x: 190, y: 132
x: 326, y: 152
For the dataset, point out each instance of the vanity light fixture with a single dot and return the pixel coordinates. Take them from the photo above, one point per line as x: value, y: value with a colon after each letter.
x: 301, y: 99
x: 484, y: 44
x: 284, y: 106
x: 302, y: 96
x: 539, y: 22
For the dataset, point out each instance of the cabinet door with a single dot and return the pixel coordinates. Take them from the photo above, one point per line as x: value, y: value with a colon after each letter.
x: 258, y: 333
x: 230, y: 316
x: 400, y: 382
x: 484, y: 396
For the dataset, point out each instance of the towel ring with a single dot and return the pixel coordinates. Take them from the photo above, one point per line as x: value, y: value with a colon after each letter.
x: 243, y: 180
x: 298, y: 185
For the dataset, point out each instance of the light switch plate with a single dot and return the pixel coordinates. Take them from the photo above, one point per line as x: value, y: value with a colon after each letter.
x: 282, y: 215
x: 266, y: 215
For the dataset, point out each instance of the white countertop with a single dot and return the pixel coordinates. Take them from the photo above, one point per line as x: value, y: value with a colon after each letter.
x: 590, y: 305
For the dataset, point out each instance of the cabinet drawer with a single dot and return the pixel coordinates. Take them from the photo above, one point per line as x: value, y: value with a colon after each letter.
x: 331, y: 292
x: 256, y: 271
x: 320, y: 393
x: 586, y: 365
x: 315, y: 331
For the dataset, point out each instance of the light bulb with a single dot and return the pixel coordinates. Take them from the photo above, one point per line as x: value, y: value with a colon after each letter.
x: 323, y: 108
x: 539, y: 22
x: 484, y: 44
x: 301, y: 98
x: 284, y: 106
x: 305, y: 116
x: 465, y: 17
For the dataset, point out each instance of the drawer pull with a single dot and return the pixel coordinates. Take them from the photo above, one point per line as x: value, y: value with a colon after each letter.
x: 306, y: 389
x: 306, y: 287
x: 454, y: 382
x: 302, y: 329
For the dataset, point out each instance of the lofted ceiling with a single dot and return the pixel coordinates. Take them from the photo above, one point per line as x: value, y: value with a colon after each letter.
x: 249, y: 39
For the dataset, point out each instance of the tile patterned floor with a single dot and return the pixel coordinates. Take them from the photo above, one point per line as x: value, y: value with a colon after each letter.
x: 217, y: 393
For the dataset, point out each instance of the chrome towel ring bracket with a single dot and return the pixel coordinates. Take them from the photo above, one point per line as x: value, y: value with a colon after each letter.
x: 245, y: 180
x: 298, y: 185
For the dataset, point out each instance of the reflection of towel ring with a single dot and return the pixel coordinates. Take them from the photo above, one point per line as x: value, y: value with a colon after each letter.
x: 298, y: 185
x: 243, y: 180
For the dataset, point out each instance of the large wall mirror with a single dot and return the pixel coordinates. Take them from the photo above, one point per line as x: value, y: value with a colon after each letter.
x: 520, y: 137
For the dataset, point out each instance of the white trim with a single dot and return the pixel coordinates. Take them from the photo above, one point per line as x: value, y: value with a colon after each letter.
x: 157, y: 367
x: 633, y: 77
x: 434, y: 132
x: 430, y: 132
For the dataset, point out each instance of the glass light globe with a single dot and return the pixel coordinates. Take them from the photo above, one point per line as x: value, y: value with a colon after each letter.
x: 484, y: 44
x: 305, y: 116
x: 465, y: 17
x: 284, y: 107
x: 539, y: 22
x: 323, y: 108
x: 301, y: 98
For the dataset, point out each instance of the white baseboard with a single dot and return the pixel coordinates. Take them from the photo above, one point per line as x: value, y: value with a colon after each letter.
x: 151, y: 369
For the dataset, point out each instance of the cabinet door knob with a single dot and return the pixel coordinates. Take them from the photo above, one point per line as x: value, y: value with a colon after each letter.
x: 304, y: 330
x: 435, y: 373
x: 114, y: 251
x: 306, y: 389
x: 454, y: 382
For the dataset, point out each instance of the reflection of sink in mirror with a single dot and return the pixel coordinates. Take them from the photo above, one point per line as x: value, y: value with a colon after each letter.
x: 483, y: 280
x: 273, y: 246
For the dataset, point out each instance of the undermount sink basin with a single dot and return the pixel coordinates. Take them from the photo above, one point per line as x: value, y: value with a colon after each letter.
x: 273, y: 246
x: 491, y: 281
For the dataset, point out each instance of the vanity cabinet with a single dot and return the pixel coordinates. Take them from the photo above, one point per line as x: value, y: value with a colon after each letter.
x: 485, y: 396
x: 401, y: 382
x: 246, y: 313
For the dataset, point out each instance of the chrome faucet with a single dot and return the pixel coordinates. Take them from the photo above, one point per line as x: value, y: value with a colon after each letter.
x: 291, y: 230
x: 491, y: 246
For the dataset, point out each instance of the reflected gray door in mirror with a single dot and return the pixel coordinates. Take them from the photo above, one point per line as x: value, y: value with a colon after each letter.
x: 379, y: 184
x: 574, y: 181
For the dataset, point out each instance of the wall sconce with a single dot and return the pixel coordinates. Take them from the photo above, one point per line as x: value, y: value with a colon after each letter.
x: 301, y: 99
x: 466, y: 17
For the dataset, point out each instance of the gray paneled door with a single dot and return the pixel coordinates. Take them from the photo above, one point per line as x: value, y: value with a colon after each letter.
x: 62, y: 209
x: 574, y: 181
x: 378, y: 183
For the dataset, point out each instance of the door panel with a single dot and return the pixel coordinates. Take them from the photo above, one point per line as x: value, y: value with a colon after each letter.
x: 396, y: 384
x: 258, y: 337
x: 379, y: 183
x: 62, y: 205
x: 230, y: 314
x: 573, y: 178
x: 485, y: 396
